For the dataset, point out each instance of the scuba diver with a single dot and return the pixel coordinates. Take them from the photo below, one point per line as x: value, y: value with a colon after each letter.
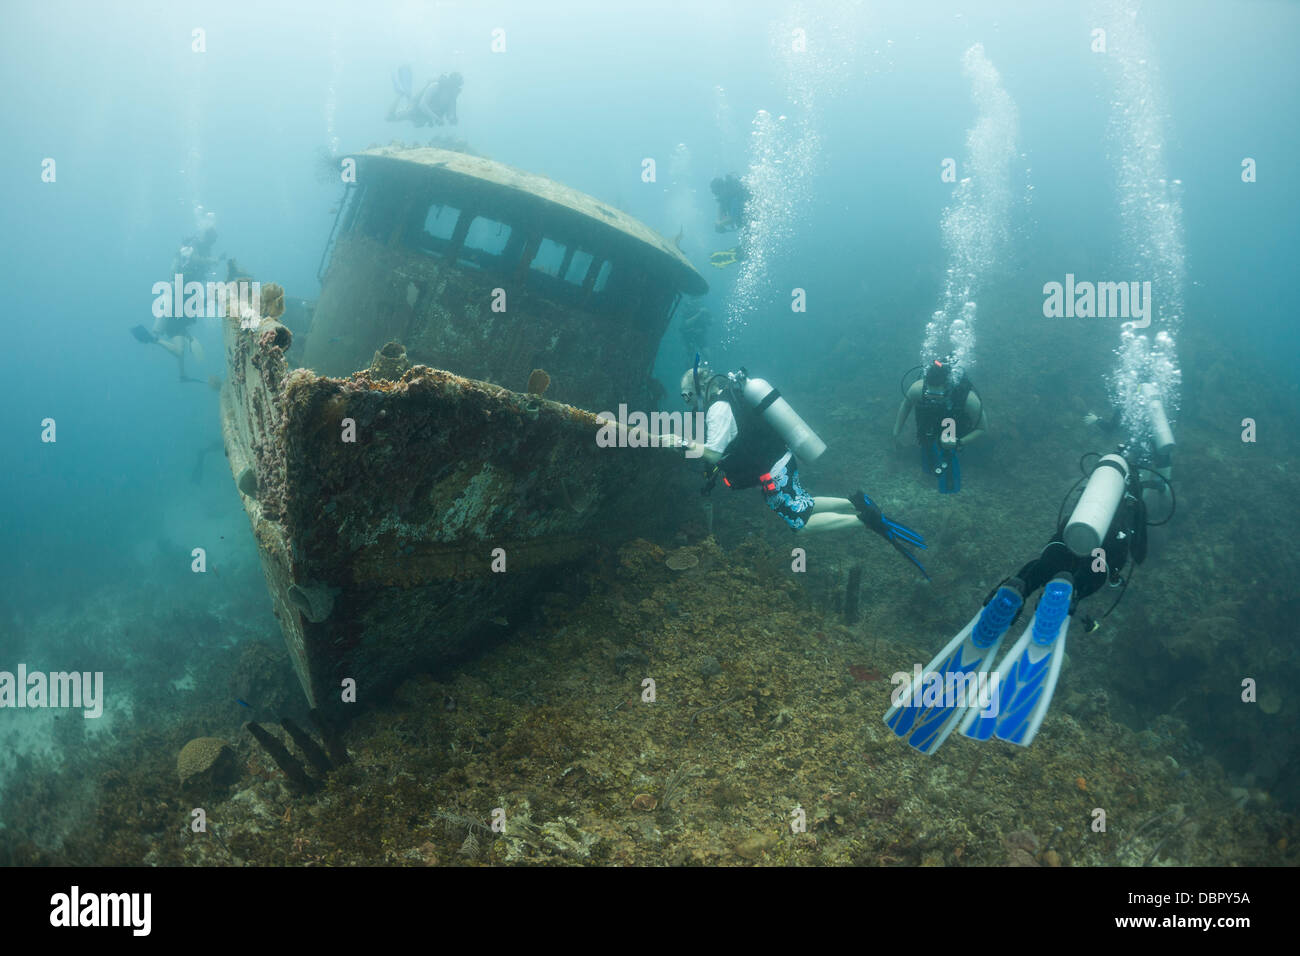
x: 754, y: 438
x: 1154, y: 452
x: 435, y: 105
x: 1097, y: 547
x: 173, y: 333
x: 949, y: 416
x: 733, y: 198
x: 194, y: 262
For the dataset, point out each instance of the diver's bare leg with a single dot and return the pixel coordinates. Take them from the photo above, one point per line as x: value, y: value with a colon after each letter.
x: 822, y: 523
x: 175, y: 346
x: 839, y: 506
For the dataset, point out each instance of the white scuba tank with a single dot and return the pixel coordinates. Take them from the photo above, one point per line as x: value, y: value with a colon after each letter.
x: 1091, y: 518
x: 1156, y: 497
x: 776, y: 411
x: 1162, y: 436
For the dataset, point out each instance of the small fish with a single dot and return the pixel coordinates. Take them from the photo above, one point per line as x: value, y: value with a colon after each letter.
x: 500, y: 621
x: 243, y: 703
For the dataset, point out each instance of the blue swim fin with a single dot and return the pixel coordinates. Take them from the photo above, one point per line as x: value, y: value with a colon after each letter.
x: 896, y: 534
x: 929, y: 462
x: 950, y: 480
x: 946, y: 689
x: 1027, y: 675
x: 942, y: 464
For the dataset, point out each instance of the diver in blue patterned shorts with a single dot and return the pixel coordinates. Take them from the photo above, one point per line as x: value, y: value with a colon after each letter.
x: 754, y: 438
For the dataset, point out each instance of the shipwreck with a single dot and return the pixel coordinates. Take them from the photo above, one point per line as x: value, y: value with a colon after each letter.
x: 404, y: 496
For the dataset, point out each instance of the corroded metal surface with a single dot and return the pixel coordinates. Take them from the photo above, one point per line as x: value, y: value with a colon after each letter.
x: 490, y: 272
x: 466, y: 174
x: 384, y: 500
x: 443, y: 314
x: 378, y: 552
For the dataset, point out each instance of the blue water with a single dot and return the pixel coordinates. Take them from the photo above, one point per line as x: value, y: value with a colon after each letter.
x: 844, y: 141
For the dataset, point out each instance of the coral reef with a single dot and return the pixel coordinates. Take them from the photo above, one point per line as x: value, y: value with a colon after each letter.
x: 766, y: 703
x: 776, y: 720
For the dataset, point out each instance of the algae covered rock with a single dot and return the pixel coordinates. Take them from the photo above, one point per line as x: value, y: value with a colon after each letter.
x: 639, y: 557
x: 755, y: 846
x: 206, y: 763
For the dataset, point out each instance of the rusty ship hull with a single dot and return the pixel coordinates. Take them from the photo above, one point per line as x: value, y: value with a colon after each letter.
x: 402, y: 514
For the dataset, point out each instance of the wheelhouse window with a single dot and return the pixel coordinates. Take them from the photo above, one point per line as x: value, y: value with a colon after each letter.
x: 485, y: 242
x: 440, y: 223
x: 577, y: 272
x: 549, y: 258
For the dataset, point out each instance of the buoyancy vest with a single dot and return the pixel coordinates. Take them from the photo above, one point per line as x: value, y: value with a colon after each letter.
x: 931, y: 410
x: 756, y: 447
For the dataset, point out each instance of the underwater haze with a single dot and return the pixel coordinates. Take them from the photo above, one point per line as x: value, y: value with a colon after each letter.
x: 975, y: 247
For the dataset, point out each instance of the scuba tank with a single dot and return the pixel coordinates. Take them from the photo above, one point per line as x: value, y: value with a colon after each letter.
x: 1162, y: 445
x: 776, y: 411
x: 1162, y: 436
x: 1090, y: 521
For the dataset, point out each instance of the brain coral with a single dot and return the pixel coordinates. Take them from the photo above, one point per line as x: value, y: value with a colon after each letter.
x: 205, y: 759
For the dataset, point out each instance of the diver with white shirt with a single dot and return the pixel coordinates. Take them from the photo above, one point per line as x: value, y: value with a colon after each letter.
x: 753, y: 438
